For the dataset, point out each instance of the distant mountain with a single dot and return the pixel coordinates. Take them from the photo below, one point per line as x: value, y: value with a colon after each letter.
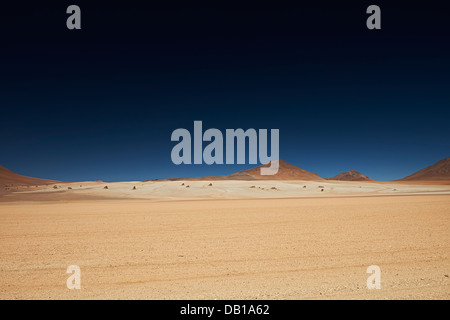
x: 9, y: 178
x: 351, y: 175
x: 437, y: 171
x: 286, y: 171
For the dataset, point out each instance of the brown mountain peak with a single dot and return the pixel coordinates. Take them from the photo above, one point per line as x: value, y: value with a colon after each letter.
x: 438, y: 171
x: 3, y: 169
x: 351, y: 175
x: 286, y: 171
x: 8, y: 177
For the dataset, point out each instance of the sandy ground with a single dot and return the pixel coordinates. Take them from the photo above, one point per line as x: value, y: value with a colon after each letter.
x: 307, y: 248
x: 190, y: 190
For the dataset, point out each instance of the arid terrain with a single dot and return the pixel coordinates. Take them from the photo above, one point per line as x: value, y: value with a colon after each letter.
x: 309, y: 248
x: 226, y: 239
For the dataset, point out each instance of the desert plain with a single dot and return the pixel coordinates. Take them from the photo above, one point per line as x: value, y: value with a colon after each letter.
x: 226, y: 240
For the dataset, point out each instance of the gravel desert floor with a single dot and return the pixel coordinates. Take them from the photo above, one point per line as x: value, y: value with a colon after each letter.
x: 309, y: 248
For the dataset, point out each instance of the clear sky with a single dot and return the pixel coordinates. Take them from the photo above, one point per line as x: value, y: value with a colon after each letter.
x: 102, y: 102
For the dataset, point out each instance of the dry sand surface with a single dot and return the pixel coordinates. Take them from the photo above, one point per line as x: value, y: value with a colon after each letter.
x: 307, y: 248
x: 189, y: 190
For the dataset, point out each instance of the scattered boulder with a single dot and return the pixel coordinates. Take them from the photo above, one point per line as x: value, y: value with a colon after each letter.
x: 134, y: 188
x: 252, y: 187
x: 105, y: 187
x: 55, y: 187
x: 210, y: 185
x: 69, y: 188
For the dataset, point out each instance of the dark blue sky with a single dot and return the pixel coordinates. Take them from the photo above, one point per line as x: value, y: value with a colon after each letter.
x: 102, y: 102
